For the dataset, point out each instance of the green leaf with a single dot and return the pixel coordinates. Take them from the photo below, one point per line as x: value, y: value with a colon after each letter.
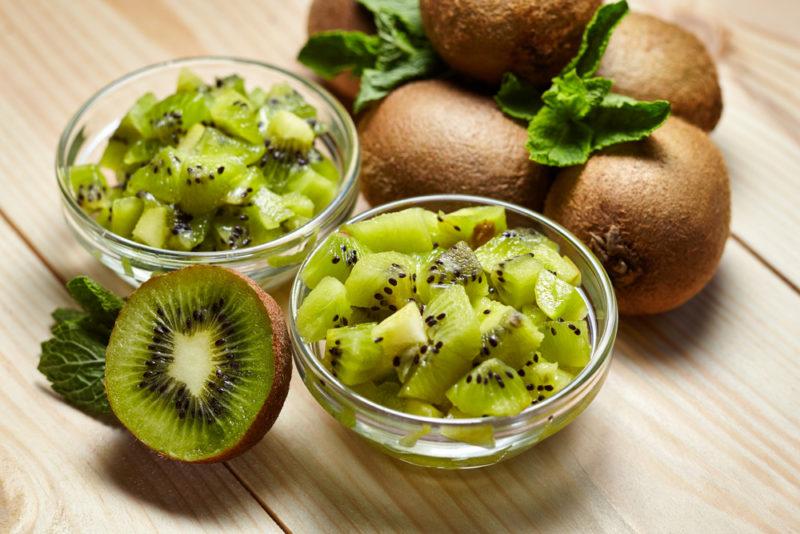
x: 574, y: 97
x: 595, y: 38
x: 556, y: 141
x: 329, y: 53
x: 517, y: 98
x: 400, y: 58
x: 405, y: 10
x: 620, y: 119
x: 97, y: 301
x: 73, y: 361
x: 376, y: 84
x: 68, y: 314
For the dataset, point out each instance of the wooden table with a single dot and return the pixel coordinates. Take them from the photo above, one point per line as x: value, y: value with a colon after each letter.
x: 697, y: 428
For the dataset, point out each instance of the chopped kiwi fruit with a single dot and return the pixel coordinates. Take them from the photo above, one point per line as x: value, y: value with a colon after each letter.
x: 354, y: 356
x: 454, y: 338
x: 187, y: 231
x: 381, y: 281
x: 198, y: 364
x: 456, y: 265
x: 481, y: 435
x: 336, y: 257
x: 246, y: 170
x: 566, y: 343
x: 475, y: 225
x: 152, y: 228
x: 233, y: 112
x: 558, y: 299
x: 506, y: 333
x: 509, y: 244
x: 515, y: 278
x: 325, y: 307
x: 161, y: 177
x: 400, y: 332
x: 125, y: 213
x: 543, y: 379
x: 440, y: 321
x: 492, y: 388
x: 381, y: 233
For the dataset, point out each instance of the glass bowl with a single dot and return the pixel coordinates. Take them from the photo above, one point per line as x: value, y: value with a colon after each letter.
x: 474, y: 442
x: 86, y: 134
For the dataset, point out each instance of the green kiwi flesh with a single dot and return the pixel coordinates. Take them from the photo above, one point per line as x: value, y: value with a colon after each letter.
x: 198, y: 364
x: 429, y: 309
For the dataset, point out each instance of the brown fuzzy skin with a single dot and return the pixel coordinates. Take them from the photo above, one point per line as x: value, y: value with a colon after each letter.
x: 282, y: 353
x: 435, y: 136
x: 486, y: 38
x: 348, y: 15
x: 650, y: 59
x: 655, y: 212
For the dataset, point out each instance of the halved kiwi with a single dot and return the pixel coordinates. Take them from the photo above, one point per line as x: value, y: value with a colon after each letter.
x: 198, y: 364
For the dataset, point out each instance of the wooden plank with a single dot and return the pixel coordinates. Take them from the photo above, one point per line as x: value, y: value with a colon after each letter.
x: 699, y: 415
x: 61, y: 470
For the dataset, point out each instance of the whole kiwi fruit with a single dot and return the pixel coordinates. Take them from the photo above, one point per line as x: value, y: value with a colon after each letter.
x: 198, y: 364
x: 486, y: 38
x: 649, y: 59
x: 655, y: 212
x: 437, y: 136
x: 324, y: 15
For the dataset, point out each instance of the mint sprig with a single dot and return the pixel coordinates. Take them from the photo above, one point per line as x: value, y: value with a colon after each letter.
x: 398, y: 53
x: 73, y: 360
x: 579, y: 114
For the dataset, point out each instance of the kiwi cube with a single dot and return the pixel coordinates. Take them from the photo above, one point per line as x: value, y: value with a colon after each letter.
x: 336, y: 257
x: 566, y: 343
x: 516, y: 278
x: 381, y: 233
x: 136, y: 124
x: 475, y: 225
x: 152, y: 228
x: 492, y: 388
x: 353, y: 356
x: 320, y: 190
x: 325, y: 307
x: 558, y: 299
x: 233, y: 112
x: 125, y: 214
x: 401, y: 331
x: 161, y: 177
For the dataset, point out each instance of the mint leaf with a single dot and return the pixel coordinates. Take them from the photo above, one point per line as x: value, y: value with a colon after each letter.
x: 73, y: 360
x: 574, y: 97
x: 74, y: 363
x: 405, y: 10
x: 595, y: 38
x: 376, y: 83
x: 517, y: 98
x: 557, y: 141
x: 400, y: 58
x: 400, y: 52
x: 97, y: 301
x: 619, y: 119
x: 332, y: 52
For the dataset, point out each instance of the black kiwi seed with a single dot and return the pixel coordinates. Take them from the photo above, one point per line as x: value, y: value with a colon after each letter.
x: 396, y: 361
x: 469, y: 379
x: 529, y: 387
x: 392, y: 282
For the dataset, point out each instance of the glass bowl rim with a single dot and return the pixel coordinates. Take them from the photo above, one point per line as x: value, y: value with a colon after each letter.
x: 349, y: 175
x: 604, y: 345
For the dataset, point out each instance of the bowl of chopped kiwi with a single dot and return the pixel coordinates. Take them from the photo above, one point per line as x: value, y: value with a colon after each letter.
x: 209, y: 160
x: 452, y: 331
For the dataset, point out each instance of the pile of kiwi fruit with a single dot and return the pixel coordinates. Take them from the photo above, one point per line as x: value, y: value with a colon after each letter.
x: 655, y: 212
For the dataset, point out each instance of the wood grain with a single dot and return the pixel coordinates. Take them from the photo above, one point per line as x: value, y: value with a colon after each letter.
x: 696, y: 429
x: 61, y: 470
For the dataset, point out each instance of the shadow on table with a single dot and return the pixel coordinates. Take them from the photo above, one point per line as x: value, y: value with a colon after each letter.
x: 676, y: 334
x: 544, y: 486
x: 173, y: 487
